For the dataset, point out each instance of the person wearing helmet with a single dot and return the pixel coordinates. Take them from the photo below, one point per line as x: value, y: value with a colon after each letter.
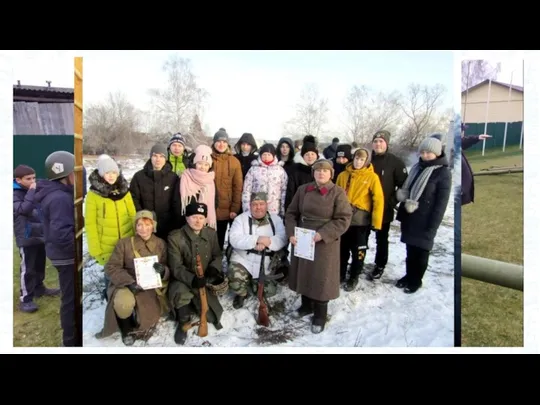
x: 56, y: 197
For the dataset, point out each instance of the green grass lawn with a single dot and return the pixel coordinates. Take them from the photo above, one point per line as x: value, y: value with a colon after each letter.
x: 42, y: 328
x: 492, y: 227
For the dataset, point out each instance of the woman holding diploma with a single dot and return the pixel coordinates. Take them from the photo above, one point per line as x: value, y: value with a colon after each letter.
x: 135, y: 302
x: 323, y: 207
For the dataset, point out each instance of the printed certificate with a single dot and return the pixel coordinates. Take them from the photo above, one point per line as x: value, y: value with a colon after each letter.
x: 147, y: 277
x: 305, y: 245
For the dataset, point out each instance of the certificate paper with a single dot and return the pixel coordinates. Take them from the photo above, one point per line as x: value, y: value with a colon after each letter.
x: 305, y: 245
x: 147, y: 277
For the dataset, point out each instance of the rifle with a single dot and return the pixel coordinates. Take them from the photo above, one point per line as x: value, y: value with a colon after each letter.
x: 203, y: 324
x: 263, y: 318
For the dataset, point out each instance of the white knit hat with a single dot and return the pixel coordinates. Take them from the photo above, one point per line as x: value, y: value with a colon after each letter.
x: 106, y: 164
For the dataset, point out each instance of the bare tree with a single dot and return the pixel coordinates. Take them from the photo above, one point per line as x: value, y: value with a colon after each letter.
x: 182, y: 99
x: 420, y: 106
x: 367, y: 112
x: 474, y: 72
x: 311, y: 113
x: 112, y: 126
x: 354, y: 108
x: 195, y: 136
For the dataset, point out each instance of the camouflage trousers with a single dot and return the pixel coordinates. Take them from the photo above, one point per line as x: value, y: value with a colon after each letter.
x: 241, y: 282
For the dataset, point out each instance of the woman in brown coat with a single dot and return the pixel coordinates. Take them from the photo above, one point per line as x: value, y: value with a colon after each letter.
x: 131, y: 309
x: 321, y: 206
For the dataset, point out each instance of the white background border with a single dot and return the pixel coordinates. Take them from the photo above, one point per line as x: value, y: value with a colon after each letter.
x: 532, y: 215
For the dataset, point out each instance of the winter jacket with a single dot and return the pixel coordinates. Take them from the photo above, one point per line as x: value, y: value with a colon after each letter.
x: 242, y: 240
x: 158, y: 191
x: 229, y: 184
x: 57, y: 203
x: 392, y: 173
x: 420, y: 227
x: 364, y: 192
x: 108, y: 215
x: 27, y: 224
x: 245, y: 161
x: 271, y: 179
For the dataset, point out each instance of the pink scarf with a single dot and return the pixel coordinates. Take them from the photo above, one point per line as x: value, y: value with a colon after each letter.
x: 193, y: 182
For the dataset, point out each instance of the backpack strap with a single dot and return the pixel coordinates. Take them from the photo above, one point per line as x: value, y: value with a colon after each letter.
x: 135, y: 252
x: 269, y: 220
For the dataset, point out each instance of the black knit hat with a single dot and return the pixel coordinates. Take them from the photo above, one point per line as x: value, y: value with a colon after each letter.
x: 267, y: 148
x: 22, y: 170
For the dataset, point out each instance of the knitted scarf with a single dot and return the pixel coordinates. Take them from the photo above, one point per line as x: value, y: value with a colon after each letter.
x: 199, y: 185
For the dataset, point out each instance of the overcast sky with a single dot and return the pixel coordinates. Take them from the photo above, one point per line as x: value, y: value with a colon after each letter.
x: 250, y: 91
x: 255, y: 91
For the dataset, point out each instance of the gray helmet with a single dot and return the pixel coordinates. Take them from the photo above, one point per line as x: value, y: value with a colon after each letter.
x: 59, y: 164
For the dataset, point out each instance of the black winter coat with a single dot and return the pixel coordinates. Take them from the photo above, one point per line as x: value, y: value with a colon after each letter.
x: 392, y: 173
x: 158, y: 191
x: 420, y: 227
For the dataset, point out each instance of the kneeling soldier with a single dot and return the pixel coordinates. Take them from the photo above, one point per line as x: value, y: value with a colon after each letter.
x: 251, y: 233
x: 193, y: 239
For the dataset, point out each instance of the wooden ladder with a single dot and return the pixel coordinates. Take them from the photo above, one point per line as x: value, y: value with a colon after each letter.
x: 79, y: 192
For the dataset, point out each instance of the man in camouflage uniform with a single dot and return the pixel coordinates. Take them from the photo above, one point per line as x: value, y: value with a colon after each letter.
x: 183, y: 246
x: 251, y: 233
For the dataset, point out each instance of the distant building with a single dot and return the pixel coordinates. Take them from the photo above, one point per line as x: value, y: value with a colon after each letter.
x: 43, y: 122
x: 500, y: 112
x: 42, y: 110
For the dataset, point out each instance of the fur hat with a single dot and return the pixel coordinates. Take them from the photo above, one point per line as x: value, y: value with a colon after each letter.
x: 196, y: 208
x: 148, y: 215
x: 309, y: 144
x: 323, y: 164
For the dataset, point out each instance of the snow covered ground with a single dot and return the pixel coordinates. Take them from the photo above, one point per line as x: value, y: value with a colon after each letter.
x: 376, y: 314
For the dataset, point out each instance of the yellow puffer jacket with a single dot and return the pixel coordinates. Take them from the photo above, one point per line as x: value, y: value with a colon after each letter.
x: 107, y: 220
x: 364, y: 191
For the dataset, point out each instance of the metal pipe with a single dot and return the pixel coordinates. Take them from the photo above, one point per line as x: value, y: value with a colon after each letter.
x: 502, y: 171
x: 492, y: 271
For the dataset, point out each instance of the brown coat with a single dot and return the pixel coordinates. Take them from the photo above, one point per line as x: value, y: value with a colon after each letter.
x: 121, y: 270
x: 229, y: 184
x: 330, y: 215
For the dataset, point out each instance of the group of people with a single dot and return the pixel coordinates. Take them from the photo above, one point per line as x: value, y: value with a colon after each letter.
x: 44, y: 227
x: 179, y: 206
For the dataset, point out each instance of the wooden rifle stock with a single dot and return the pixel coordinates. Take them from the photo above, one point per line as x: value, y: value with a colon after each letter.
x: 263, y: 318
x: 203, y: 323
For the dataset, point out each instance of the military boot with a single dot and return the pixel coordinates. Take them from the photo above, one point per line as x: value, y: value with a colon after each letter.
x: 320, y: 311
x: 126, y: 327
x: 183, y: 316
x: 238, y: 301
x: 306, y: 308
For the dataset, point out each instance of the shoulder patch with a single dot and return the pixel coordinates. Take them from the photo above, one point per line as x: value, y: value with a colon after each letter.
x: 404, y: 170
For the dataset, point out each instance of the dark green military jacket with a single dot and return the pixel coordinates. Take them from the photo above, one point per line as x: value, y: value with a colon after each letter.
x: 183, y: 246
